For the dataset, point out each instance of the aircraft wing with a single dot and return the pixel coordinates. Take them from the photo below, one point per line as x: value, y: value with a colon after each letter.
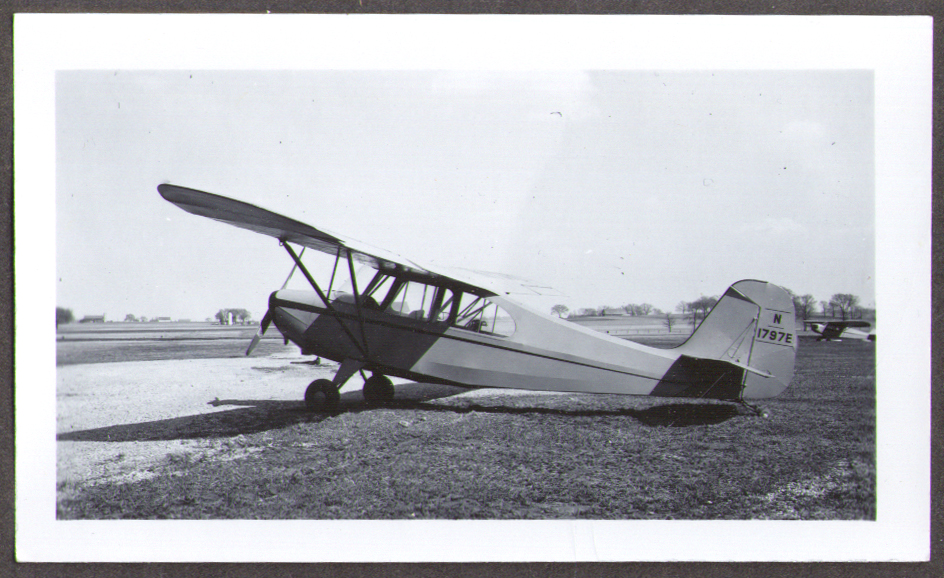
x: 499, y: 283
x: 263, y: 221
x: 256, y: 219
x: 835, y: 329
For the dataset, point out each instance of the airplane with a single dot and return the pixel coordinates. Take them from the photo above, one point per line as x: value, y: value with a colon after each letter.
x: 835, y: 330
x: 475, y: 330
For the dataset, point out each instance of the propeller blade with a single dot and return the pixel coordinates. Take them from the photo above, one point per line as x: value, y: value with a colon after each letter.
x: 253, y: 343
x: 263, y: 325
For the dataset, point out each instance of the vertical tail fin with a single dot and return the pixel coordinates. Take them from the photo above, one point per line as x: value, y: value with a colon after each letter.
x: 753, y: 327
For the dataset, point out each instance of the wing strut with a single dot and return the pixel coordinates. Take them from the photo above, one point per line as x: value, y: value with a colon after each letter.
x: 324, y: 299
x: 334, y: 270
x: 357, y: 303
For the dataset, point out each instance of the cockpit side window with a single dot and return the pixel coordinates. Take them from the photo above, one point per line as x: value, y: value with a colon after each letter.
x: 480, y: 315
x: 441, y: 305
x: 417, y: 300
x: 380, y: 285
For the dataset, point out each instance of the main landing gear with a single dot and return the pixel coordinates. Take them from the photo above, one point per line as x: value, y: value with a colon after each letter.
x: 378, y: 390
x: 324, y: 394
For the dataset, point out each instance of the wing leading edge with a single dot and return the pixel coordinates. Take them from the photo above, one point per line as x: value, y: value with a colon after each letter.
x: 265, y: 222
x: 259, y: 220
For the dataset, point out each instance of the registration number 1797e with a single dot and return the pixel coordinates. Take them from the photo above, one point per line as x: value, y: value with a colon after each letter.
x: 774, y: 335
x: 773, y: 329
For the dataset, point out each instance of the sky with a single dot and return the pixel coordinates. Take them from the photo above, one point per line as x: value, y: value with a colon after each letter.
x: 614, y: 187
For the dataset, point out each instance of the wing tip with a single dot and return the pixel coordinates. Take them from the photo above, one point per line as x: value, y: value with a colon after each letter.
x: 171, y: 192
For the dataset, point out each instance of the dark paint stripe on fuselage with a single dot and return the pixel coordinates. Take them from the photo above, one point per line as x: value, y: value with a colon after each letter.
x: 405, y: 355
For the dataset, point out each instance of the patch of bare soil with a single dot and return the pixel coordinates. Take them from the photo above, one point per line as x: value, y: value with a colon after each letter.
x: 149, y: 411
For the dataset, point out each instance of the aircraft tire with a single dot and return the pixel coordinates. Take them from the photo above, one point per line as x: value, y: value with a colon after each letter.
x: 378, y: 389
x: 321, y: 395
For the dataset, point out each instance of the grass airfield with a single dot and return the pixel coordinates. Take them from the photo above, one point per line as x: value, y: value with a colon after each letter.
x: 185, y: 426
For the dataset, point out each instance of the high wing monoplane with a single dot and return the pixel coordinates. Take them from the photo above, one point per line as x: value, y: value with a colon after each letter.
x: 837, y: 330
x: 466, y: 328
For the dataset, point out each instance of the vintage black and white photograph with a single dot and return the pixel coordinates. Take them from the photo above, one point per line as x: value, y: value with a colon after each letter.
x: 603, y: 301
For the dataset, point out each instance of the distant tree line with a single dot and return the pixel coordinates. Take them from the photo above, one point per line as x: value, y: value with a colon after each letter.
x: 843, y: 305
x: 232, y: 316
x: 64, y: 316
x: 640, y: 310
x: 702, y: 305
x: 224, y: 316
x: 603, y: 310
x: 131, y: 318
x: 560, y: 310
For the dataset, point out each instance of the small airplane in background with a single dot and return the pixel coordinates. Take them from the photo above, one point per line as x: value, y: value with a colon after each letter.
x: 838, y: 330
x: 461, y: 327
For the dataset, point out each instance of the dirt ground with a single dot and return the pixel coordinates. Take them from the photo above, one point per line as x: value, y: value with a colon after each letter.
x: 148, y: 410
x: 108, y: 401
x: 155, y: 438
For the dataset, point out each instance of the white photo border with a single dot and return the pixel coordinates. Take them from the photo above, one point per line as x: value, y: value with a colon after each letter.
x: 897, y: 49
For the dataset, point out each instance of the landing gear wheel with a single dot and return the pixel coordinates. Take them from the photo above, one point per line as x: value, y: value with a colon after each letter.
x: 378, y: 390
x: 321, y: 395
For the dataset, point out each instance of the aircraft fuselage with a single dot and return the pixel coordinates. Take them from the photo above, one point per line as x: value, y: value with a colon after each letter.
x: 543, y: 353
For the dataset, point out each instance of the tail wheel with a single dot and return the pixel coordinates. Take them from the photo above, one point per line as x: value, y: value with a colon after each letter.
x: 321, y: 395
x: 378, y: 389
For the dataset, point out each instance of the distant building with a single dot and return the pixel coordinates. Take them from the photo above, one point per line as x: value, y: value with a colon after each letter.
x: 162, y: 319
x: 92, y: 319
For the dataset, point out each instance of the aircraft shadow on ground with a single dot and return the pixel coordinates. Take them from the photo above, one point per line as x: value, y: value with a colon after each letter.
x: 249, y: 417
x: 254, y: 416
x: 672, y: 415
